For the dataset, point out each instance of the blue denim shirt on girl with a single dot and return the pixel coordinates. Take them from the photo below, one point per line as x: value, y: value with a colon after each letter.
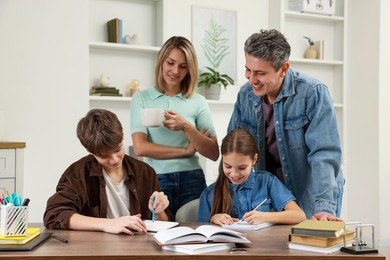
x: 308, y: 140
x: 246, y: 196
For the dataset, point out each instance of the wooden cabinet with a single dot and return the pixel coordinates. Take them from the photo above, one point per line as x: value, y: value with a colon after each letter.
x: 11, y: 167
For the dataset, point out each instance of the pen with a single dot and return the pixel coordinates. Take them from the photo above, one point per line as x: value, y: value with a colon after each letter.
x: 60, y: 238
x: 261, y: 203
x: 153, y: 213
x: 258, y: 206
x: 26, y: 201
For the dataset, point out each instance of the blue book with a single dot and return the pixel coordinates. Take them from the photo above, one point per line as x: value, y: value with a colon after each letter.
x: 120, y: 31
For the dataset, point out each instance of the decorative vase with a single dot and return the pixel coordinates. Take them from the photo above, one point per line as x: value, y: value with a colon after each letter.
x: 213, y: 92
x: 310, y: 52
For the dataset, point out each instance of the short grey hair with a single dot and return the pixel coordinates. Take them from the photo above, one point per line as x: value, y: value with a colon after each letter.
x: 268, y: 45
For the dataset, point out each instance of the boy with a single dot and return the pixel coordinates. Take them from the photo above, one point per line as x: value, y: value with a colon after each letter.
x: 106, y: 190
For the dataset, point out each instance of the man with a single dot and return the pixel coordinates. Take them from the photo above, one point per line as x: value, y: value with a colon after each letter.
x: 106, y: 190
x: 294, y: 124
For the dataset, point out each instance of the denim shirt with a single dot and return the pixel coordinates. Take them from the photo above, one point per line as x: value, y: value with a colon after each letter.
x: 246, y: 196
x: 308, y: 140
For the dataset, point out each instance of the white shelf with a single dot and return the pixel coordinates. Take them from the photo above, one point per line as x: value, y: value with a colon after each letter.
x: 122, y: 46
x: 317, y: 62
x: 108, y: 98
x: 311, y: 17
x: 128, y: 99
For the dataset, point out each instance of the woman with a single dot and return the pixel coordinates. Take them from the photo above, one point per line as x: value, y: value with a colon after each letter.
x: 171, y: 149
x: 242, y: 193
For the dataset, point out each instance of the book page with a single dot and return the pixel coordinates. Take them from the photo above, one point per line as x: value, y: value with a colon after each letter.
x: 219, y: 234
x: 179, y: 235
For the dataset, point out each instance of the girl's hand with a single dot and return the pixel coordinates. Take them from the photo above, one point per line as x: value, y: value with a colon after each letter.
x: 223, y: 218
x: 254, y: 217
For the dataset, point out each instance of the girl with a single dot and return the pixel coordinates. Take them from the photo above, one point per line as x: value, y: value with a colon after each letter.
x: 239, y: 189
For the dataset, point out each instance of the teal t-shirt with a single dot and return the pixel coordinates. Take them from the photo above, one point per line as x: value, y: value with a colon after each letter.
x: 194, y: 109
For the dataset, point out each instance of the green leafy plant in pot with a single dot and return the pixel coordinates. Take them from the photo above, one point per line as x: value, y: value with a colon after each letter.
x: 212, y: 81
x: 206, y: 79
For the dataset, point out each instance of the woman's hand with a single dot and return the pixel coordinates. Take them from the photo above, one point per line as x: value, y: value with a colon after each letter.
x: 173, y: 121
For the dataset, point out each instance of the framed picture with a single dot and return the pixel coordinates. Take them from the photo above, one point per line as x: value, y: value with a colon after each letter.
x: 214, y: 36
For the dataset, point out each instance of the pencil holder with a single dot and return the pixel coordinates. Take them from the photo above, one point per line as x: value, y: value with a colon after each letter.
x: 13, y: 220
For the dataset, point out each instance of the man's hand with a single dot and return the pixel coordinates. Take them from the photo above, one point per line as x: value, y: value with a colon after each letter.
x: 325, y: 216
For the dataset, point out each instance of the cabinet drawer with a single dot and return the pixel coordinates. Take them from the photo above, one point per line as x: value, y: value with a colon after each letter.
x: 7, y: 163
x: 7, y: 185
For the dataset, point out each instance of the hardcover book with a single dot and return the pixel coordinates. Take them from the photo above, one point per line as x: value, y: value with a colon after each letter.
x: 202, y: 234
x: 112, y: 30
x: 319, y: 228
x: 106, y: 94
x: 321, y: 241
x: 316, y: 249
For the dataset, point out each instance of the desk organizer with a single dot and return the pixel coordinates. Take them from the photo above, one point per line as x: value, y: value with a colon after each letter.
x: 13, y: 220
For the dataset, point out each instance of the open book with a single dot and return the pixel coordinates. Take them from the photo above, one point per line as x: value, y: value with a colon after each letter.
x: 158, y: 225
x: 243, y: 225
x: 202, y: 234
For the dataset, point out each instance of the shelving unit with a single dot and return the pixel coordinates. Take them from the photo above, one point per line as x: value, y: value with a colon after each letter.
x: 332, y: 70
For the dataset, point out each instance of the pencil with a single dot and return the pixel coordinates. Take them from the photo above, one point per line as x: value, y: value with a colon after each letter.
x: 60, y: 238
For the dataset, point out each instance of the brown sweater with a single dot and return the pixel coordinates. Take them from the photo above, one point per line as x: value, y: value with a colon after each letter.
x: 81, y: 189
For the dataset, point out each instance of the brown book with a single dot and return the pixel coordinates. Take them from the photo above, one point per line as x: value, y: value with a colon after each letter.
x: 318, y: 228
x: 321, y: 241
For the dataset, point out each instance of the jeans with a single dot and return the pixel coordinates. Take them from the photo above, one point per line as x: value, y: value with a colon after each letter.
x: 182, y: 187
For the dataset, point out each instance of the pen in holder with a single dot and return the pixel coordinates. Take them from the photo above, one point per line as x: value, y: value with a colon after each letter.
x: 13, y: 220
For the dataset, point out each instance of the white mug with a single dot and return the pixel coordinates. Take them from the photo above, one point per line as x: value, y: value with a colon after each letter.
x: 152, y: 117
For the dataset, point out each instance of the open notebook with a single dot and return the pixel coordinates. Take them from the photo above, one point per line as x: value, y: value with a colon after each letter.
x: 158, y: 225
x: 246, y: 226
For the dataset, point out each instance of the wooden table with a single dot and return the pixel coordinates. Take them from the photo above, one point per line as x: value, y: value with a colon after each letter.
x: 268, y: 243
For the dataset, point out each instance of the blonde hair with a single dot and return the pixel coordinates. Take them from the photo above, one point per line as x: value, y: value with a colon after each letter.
x: 190, y: 81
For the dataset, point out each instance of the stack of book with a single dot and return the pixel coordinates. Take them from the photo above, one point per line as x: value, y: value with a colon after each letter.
x: 319, y: 236
x: 204, y: 239
x: 105, y: 91
x: 114, y: 30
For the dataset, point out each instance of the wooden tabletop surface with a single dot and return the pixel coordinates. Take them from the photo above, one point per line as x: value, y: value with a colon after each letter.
x: 268, y: 243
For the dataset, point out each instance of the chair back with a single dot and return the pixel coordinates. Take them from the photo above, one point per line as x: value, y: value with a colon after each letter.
x: 188, y: 212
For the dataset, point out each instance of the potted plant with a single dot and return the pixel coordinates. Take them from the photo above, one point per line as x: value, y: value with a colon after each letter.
x: 212, y: 82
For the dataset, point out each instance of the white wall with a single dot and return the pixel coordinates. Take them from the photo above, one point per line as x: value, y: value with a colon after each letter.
x: 367, y: 114
x: 43, y: 68
x: 384, y: 123
x: 43, y: 93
